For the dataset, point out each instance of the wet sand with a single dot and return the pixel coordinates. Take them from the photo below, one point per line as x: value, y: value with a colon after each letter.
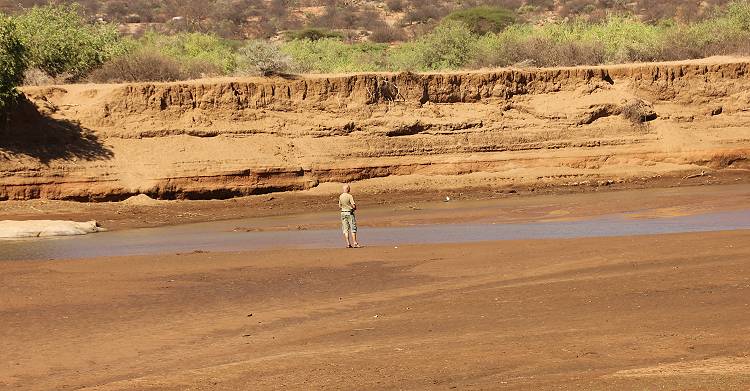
x: 312, y: 209
x: 652, y: 312
x: 224, y: 236
x: 668, y: 312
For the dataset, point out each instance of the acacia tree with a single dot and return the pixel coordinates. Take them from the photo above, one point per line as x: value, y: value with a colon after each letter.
x: 261, y: 57
x: 12, y: 66
x: 60, y: 41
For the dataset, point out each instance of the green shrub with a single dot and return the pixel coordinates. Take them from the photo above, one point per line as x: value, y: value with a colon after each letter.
x: 483, y: 20
x: 502, y: 49
x: 60, y: 41
x: 738, y: 15
x: 615, y: 40
x: 332, y: 55
x: 719, y: 34
x: 451, y: 45
x: 262, y: 57
x: 622, y: 39
x: 193, y: 50
x: 12, y: 65
x: 537, y: 51
x: 312, y: 34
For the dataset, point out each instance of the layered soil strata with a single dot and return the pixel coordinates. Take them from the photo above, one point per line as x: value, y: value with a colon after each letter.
x: 234, y: 137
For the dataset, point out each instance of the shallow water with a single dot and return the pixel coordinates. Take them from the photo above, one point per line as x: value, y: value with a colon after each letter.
x: 218, y: 236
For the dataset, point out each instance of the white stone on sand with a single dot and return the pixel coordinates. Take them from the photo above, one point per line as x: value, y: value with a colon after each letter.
x: 10, y: 229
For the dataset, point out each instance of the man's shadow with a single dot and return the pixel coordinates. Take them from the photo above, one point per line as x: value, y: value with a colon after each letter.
x: 32, y: 133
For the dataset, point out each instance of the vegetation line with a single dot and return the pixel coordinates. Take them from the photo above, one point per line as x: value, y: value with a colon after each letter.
x: 62, y: 43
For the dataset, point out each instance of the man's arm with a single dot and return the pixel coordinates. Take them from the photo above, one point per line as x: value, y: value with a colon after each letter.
x: 354, y: 205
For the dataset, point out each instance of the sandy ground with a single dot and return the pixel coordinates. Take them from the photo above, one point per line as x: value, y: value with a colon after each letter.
x: 663, y: 312
x: 667, y: 312
x: 413, y: 206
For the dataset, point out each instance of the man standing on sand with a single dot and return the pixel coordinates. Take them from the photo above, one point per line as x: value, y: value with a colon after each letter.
x: 348, y: 221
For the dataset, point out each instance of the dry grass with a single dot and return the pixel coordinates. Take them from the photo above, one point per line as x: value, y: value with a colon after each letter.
x: 727, y: 159
x: 543, y: 52
x: 384, y: 33
x: 37, y: 77
x: 144, y: 66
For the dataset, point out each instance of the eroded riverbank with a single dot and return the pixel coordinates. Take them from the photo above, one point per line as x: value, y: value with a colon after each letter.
x: 225, y: 138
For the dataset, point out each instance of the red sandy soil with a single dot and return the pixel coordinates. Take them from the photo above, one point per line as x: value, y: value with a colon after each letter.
x: 665, y: 312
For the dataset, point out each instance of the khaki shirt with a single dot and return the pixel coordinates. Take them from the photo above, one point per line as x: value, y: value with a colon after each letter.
x: 346, y: 202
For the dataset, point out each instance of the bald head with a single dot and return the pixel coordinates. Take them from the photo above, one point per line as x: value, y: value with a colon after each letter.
x: 347, y: 188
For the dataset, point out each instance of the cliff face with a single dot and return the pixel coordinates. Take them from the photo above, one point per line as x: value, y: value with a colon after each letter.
x: 233, y: 137
x: 662, y: 81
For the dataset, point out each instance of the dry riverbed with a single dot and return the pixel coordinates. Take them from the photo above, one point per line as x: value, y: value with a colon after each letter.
x: 643, y: 312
